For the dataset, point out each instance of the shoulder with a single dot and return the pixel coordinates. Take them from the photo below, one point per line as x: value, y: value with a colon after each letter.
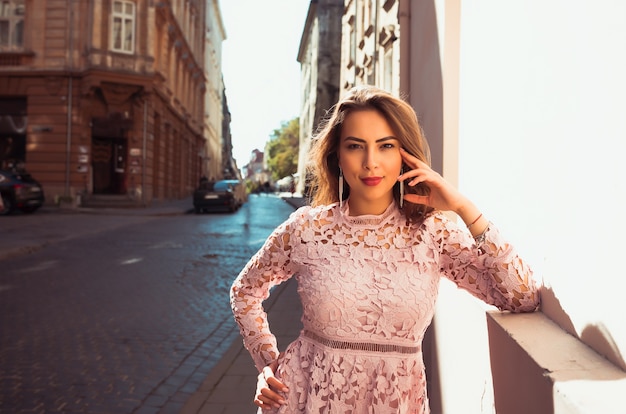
x: 308, y: 213
x: 307, y: 220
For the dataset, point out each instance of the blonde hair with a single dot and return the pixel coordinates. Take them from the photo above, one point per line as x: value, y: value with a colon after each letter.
x: 324, y: 164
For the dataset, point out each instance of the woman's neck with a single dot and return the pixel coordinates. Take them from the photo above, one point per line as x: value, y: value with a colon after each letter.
x: 357, y: 207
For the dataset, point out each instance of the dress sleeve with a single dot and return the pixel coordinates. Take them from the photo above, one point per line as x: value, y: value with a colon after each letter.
x: 489, y: 269
x: 269, y: 267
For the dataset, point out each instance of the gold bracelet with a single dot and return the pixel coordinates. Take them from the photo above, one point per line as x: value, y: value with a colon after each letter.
x: 474, y: 222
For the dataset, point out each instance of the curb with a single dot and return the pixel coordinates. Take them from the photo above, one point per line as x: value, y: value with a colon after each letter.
x: 196, y: 402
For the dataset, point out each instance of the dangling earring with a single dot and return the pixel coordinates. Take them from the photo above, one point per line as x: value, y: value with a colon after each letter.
x: 340, y: 188
x: 401, y: 189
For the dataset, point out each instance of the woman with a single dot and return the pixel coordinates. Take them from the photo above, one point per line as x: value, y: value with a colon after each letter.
x: 368, y: 254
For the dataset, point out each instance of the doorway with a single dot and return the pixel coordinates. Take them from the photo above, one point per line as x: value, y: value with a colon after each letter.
x: 109, y: 156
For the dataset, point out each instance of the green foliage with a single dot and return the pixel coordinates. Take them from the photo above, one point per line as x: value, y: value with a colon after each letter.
x: 282, y: 149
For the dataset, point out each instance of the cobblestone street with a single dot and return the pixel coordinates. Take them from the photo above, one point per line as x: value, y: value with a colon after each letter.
x: 120, y: 312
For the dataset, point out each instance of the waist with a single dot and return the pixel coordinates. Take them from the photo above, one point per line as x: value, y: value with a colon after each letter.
x: 361, y: 346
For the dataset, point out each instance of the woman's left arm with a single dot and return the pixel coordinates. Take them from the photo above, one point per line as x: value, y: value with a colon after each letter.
x: 489, y: 268
x: 486, y: 265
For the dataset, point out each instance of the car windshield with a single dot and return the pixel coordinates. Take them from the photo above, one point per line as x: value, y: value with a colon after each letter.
x: 223, y: 186
x: 20, y: 176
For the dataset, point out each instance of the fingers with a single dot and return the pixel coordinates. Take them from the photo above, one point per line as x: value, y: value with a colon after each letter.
x: 419, y: 169
x: 417, y: 199
x: 411, y: 160
x: 417, y: 175
x: 267, y: 396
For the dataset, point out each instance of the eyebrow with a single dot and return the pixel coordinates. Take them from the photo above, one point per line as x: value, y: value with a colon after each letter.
x: 383, y: 139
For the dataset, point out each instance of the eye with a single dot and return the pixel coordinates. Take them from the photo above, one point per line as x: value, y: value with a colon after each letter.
x: 388, y: 145
x: 353, y: 146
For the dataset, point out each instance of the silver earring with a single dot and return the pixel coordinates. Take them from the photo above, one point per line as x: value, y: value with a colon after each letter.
x: 340, y: 188
x: 401, y: 190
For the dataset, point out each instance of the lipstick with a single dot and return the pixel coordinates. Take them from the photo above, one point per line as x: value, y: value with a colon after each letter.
x: 371, y: 180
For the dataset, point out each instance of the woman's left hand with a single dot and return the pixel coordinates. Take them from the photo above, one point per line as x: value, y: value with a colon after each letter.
x: 443, y: 196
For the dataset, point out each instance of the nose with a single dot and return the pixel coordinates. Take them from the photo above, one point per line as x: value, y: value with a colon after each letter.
x: 370, y: 160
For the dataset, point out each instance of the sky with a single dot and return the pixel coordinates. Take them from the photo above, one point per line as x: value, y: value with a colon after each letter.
x: 260, y: 68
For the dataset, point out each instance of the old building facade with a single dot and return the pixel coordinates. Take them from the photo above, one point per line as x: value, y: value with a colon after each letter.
x: 370, y: 44
x: 108, y: 98
x: 319, y: 56
x: 216, y: 133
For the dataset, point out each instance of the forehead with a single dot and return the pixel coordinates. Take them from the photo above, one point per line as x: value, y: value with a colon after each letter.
x: 366, y: 124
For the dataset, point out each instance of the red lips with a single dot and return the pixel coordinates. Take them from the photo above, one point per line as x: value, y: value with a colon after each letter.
x: 371, y: 180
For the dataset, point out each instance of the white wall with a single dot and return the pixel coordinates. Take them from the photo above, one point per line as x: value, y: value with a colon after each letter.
x: 542, y: 140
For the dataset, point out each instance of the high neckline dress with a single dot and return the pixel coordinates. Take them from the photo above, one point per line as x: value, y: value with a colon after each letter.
x: 368, y: 286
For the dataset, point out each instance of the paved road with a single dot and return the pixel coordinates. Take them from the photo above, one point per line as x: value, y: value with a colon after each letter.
x: 120, y: 313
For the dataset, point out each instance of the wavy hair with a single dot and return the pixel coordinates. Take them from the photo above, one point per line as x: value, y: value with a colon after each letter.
x: 324, y: 164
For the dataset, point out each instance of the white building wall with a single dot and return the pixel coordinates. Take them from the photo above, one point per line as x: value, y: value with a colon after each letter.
x: 535, y: 137
x: 541, y: 141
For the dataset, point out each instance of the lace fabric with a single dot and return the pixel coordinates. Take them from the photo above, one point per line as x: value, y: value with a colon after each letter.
x: 368, y: 279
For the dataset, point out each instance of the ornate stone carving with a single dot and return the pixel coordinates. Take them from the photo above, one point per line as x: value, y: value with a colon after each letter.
x: 117, y: 94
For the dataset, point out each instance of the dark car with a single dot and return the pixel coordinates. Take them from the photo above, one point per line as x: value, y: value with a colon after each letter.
x: 219, y: 195
x: 19, y: 191
x: 238, y: 188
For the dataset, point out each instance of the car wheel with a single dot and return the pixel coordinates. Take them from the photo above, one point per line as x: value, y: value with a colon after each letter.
x: 7, y: 205
x: 198, y: 210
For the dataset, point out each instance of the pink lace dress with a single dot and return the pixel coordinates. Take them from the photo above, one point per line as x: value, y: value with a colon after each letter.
x: 368, y: 286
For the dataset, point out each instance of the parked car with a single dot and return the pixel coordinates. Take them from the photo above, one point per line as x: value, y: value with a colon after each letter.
x: 19, y: 191
x: 219, y: 195
x: 238, y: 188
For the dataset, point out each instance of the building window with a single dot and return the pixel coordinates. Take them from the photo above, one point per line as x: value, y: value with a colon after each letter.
x: 11, y: 25
x: 123, y: 26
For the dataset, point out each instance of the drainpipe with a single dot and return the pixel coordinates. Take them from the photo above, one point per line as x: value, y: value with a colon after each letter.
x: 376, y: 48
x: 68, y: 149
x: 404, y: 19
x: 353, y: 46
x: 143, y: 151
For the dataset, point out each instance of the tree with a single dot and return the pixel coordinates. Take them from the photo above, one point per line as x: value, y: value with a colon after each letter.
x: 282, y: 149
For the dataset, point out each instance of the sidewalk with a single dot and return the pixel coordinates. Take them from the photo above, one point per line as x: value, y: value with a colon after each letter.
x: 230, y: 387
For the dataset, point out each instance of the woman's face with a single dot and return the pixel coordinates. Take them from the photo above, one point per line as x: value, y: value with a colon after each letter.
x: 369, y: 155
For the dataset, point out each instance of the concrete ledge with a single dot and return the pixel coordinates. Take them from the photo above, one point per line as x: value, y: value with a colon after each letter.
x: 538, y: 367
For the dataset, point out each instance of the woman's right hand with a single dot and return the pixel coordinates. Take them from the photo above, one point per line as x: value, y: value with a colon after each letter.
x: 267, y: 388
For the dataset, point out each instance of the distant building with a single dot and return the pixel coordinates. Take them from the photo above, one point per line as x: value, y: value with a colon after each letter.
x: 113, y: 98
x: 320, y: 57
x: 214, y: 94
x: 229, y: 164
x: 256, y: 170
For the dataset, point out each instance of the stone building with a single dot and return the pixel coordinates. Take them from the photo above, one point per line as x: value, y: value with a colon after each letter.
x: 370, y: 47
x: 108, y: 100
x: 215, y: 131
x: 319, y: 56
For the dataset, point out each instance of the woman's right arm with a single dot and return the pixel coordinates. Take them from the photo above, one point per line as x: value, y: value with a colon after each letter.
x: 270, y: 266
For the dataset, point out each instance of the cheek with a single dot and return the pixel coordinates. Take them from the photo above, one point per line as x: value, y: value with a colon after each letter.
x: 395, y: 163
x: 350, y: 163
